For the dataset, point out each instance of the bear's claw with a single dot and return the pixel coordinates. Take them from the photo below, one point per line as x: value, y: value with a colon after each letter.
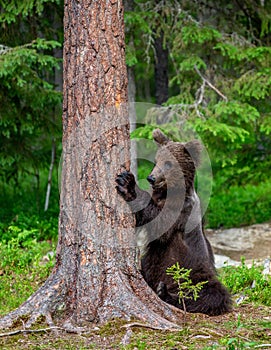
x: 126, y: 185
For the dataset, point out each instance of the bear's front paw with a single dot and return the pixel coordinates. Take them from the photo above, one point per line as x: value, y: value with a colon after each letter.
x: 126, y: 186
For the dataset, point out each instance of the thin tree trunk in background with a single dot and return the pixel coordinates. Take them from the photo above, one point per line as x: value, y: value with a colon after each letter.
x: 37, y: 176
x: 58, y: 82
x: 96, y: 277
x: 161, y: 70
x: 49, y: 182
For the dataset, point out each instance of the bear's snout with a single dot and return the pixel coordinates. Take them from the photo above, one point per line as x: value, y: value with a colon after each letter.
x: 151, y: 179
x: 157, y: 179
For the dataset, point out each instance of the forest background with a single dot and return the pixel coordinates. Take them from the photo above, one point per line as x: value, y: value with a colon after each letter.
x: 209, y: 62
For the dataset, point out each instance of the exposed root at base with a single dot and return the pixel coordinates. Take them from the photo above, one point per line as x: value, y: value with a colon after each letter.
x: 120, y: 296
x: 39, y: 305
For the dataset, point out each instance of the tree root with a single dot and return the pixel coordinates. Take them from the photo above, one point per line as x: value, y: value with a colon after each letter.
x: 39, y: 305
x: 135, y: 300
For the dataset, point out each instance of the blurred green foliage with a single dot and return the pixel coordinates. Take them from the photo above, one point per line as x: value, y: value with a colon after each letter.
x: 30, y: 100
x: 220, y: 90
x: 235, y: 206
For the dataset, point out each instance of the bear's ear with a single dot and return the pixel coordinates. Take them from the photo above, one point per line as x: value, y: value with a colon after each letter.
x: 159, y: 137
x: 194, y: 148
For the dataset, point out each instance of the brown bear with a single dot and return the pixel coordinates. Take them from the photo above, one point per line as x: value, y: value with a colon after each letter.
x: 170, y: 218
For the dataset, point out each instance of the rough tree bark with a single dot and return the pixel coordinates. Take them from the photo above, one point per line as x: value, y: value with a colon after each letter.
x: 96, y: 277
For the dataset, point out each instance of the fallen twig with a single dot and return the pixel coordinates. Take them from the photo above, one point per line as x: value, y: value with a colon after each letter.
x: 20, y: 331
x: 146, y: 325
x: 210, y: 332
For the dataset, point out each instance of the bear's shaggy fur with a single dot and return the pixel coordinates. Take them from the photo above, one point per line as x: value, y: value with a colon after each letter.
x: 171, y: 219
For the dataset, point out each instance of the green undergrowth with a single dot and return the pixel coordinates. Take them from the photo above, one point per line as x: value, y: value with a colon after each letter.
x: 25, y: 263
x: 29, y: 227
x: 23, y: 202
x: 248, y: 283
x: 237, y: 206
x: 27, y: 246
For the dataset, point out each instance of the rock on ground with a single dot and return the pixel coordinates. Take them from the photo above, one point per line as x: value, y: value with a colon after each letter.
x: 252, y: 242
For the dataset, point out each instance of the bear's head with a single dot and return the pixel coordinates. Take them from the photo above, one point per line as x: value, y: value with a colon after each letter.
x: 175, y: 163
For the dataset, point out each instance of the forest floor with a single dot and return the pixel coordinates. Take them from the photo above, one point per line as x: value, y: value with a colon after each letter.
x: 246, y: 327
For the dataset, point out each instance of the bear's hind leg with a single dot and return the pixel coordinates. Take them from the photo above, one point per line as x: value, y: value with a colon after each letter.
x: 214, y: 300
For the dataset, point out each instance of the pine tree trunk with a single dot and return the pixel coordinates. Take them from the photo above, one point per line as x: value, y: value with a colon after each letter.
x: 96, y: 277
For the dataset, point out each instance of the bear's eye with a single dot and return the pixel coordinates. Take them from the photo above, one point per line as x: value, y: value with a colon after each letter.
x: 168, y: 165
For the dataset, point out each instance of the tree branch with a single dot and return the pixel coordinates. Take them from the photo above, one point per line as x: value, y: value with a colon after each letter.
x: 210, y: 84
